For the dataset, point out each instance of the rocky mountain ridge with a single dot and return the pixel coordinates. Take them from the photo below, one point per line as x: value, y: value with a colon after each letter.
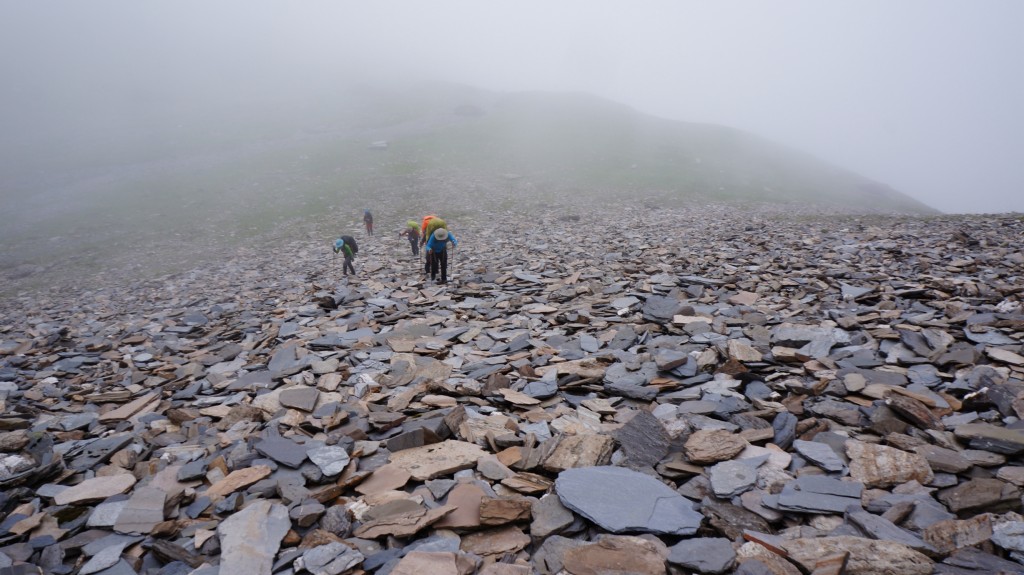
x: 209, y: 180
x: 616, y: 388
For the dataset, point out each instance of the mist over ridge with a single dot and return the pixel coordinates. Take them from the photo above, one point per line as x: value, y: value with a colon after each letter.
x: 920, y: 95
x: 130, y: 126
x: 561, y: 141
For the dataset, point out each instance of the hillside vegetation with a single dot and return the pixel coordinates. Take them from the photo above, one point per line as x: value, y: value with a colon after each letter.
x: 166, y: 185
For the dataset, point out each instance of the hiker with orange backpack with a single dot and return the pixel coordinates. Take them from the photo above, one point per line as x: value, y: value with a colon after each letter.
x: 430, y: 224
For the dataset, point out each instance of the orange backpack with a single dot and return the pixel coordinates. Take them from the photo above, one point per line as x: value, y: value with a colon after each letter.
x: 426, y: 220
x: 434, y: 224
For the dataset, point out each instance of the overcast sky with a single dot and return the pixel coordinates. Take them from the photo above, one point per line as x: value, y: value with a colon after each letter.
x: 924, y: 95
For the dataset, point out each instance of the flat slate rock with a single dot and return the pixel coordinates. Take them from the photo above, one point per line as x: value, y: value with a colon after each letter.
x: 331, y: 459
x: 820, y: 454
x: 817, y: 494
x: 633, y: 390
x: 105, y: 559
x: 439, y: 562
x: 431, y: 461
x: 703, y: 554
x: 616, y: 554
x: 145, y: 509
x: 981, y: 494
x: 301, y: 397
x: 660, y: 308
x: 882, y: 466
x: 333, y: 558
x: 866, y: 556
x: 730, y: 478
x: 95, y: 489
x: 977, y: 561
x: 281, y: 450
x: 250, y: 539
x: 992, y: 438
x: 877, y: 527
x: 643, y: 440
x: 621, y: 500
x: 713, y: 445
x: 549, y: 516
x: 541, y: 389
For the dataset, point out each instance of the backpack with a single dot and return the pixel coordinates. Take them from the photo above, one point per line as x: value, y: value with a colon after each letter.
x: 351, y: 243
x: 433, y: 225
x: 426, y: 220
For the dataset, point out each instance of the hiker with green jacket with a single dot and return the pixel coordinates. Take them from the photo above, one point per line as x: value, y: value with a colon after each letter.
x: 412, y: 231
x: 347, y: 246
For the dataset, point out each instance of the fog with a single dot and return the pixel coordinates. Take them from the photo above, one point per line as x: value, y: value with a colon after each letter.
x: 923, y: 95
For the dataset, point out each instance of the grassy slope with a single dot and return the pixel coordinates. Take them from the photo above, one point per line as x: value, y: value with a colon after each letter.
x: 580, y: 143
x: 166, y: 189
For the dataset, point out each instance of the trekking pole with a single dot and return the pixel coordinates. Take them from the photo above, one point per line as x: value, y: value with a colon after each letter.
x: 453, y: 264
x: 330, y: 264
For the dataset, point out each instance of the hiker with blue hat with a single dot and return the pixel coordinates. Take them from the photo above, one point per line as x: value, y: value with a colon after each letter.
x: 368, y: 220
x: 437, y: 253
x: 430, y: 224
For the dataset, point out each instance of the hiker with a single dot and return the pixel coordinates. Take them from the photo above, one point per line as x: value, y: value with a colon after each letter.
x: 348, y: 248
x: 436, y: 248
x: 412, y: 231
x: 430, y: 224
x: 368, y: 220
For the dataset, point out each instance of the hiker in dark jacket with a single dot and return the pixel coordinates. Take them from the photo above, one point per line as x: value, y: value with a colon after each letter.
x: 368, y: 220
x: 412, y: 231
x: 340, y: 245
x: 438, y: 254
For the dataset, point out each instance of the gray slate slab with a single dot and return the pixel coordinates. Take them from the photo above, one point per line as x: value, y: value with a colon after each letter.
x: 643, y: 440
x: 730, y: 478
x: 281, y: 450
x: 816, y: 494
x: 821, y: 454
x: 621, y: 500
x: 877, y: 527
x: 331, y: 459
x: 301, y: 398
x: 250, y: 538
x: 703, y: 554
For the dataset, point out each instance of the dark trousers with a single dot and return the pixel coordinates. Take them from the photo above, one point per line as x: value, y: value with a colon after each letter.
x: 439, y: 260
x: 348, y: 266
x: 414, y: 245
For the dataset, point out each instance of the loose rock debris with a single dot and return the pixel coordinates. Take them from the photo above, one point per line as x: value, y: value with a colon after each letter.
x: 708, y: 390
